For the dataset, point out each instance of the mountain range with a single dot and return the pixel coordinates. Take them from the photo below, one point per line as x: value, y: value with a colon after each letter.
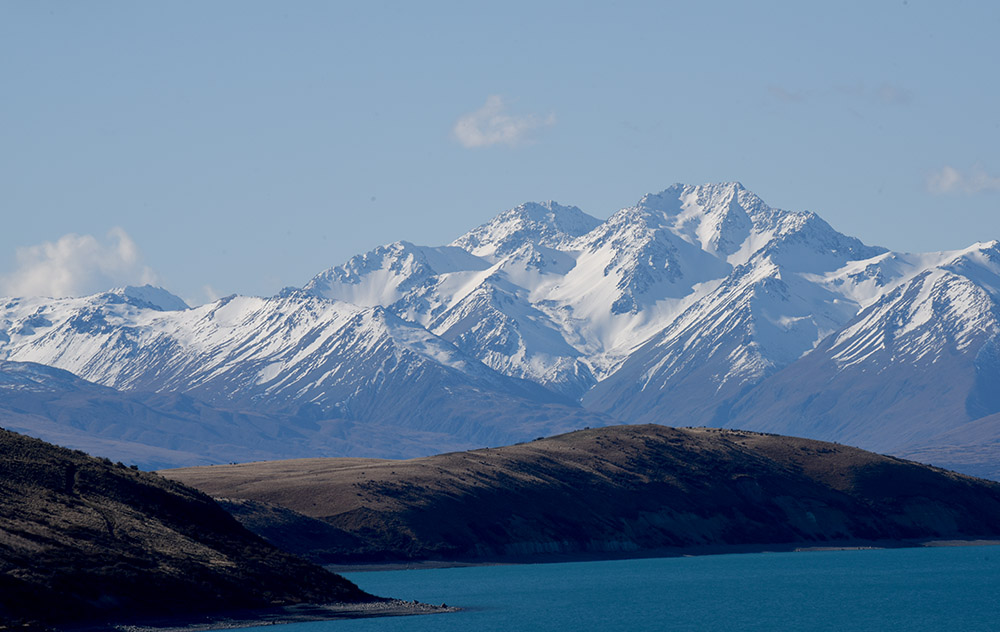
x: 699, y: 305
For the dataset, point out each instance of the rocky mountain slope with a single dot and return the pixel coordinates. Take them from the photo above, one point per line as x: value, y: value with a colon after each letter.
x: 700, y: 305
x: 151, y: 430
x: 83, y: 540
x: 172, y: 429
x: 919, y: 361
x: 624, y: 490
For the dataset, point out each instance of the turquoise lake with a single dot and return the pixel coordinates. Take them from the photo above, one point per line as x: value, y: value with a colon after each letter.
x: 912, y: 590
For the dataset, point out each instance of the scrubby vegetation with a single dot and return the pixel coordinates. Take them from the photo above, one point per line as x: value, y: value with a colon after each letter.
x: 84, y: 539
x: 619, y: 490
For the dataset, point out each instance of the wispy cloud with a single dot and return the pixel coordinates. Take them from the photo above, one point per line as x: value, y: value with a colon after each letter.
x: 208, y: 295
x: 892, y: 94
x: 950, y: 180
x: 886, y: 93
x: 493, y: 125
x: 784, y: 94
x: 77, y: 265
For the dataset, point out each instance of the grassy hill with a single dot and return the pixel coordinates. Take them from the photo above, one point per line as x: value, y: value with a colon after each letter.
x: 619, y: 490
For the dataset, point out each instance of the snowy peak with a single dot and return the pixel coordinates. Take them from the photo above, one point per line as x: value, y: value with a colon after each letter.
x: 496, y: 324
x: 952, y: 308
x: 718, y: 218
x: 804, y: 242
x: 638, y: 251
x: 919, y: 359
x: 387, y: 273
x: 732, y: 223
x: 547, y: 224
x: 150, y: 297
x: 981, y: 263
x: 865, y: 281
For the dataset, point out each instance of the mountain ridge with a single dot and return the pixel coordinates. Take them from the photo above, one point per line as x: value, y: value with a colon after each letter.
x: 688, y: 308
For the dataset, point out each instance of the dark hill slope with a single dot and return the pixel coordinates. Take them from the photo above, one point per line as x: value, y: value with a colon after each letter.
x: 616, y: 490
x: 84, y: 540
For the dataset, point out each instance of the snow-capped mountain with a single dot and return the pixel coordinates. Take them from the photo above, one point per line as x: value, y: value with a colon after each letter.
x: 549, y: 225
x: 921, y: 359
x: 699, y: 305
x: 293, y: 354
x: 477, y: 292
x: 770, y: 308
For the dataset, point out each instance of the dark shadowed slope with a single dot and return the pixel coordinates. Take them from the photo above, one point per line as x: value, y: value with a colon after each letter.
x: 971, y: 448
x: 616, y: 490
x: 161, y: 430
x: 84, y: 540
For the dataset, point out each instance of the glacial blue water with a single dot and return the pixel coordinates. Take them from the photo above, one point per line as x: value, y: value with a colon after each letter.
x: 912, y: 590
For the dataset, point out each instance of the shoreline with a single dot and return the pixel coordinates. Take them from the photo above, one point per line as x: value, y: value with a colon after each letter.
x: 305, y: 613
x: 298, y: 613
x: 696, y: 551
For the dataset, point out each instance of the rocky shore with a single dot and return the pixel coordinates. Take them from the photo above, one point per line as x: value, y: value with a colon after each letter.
x: 300, y: 613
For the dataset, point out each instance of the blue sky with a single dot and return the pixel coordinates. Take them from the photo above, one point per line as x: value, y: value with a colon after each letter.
x: 240, y: 147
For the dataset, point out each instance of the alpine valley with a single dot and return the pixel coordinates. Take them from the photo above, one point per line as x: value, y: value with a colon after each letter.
x: 698, y: 306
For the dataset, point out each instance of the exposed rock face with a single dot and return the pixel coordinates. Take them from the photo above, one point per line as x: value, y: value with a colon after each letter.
x: 85, y: 540
x: 616, y: 490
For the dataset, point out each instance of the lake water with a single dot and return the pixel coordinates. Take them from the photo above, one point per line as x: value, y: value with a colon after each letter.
x: 912, y: 590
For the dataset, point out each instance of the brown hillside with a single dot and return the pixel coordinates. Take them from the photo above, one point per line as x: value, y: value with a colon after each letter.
x: 615, y: 490
x: 83, y: 540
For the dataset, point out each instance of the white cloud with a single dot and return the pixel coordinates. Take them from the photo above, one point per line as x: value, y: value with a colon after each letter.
x: 951, y: 180
x: 77, y: 265
x: 208, y: 294
x: 492, y: 125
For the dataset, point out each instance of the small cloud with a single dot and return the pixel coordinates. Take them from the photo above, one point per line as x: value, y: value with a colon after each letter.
x: 944, y: 181
x: 783, y: 94
x: 205, y: 295
x: 77, y: 265
x: 492, y: 125
x: 891, y: 94
x: 951, y: 180
x: 209, y: 293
